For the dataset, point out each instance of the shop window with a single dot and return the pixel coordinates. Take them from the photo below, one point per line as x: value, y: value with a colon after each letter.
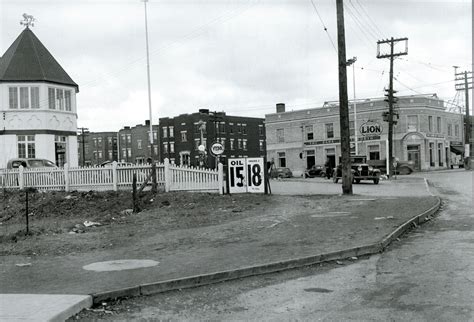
x: 329, y: 130
x: 26, y: 146
x: 280, y: 133
x: 374, y: 152
x: 431, y: 151
x: 281, y: 159
x: 440, y: 154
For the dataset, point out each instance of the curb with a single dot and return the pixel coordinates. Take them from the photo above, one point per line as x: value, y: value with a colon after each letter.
x: 216, y: 277
x: 72, y: 310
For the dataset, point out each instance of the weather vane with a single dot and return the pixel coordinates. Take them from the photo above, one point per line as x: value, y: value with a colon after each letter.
x: 28, y: 20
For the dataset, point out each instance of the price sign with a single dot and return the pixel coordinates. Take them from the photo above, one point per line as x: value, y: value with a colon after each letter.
x: 246, y: 175
x: 255, y: 175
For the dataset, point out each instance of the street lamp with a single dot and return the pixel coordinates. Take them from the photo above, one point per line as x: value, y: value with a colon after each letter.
x: 352, y: 61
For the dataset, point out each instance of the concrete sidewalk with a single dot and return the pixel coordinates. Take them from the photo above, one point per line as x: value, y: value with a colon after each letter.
x: 307, y: 230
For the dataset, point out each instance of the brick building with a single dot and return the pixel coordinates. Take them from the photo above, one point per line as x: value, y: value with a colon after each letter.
x: 134, y: 143
x: 97, y: 147
x: 426, y: 133
x: 181, y: 136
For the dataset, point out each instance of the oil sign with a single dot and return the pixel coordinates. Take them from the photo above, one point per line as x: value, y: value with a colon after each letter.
x: 371, y: 128
x: 217, y: 149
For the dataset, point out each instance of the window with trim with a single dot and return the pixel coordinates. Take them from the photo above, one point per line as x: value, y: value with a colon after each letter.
x: 165, y: 132
x: 165, y: 147
x: 440, y: 154
x: 281, y: 159
x: 244, y: 144
x: 139, y: 144
x: 239, y: 143
x: 244, y: 128
x: 431, y: 151
x: 129, y: 152
x: 261, y: 145
x: 26, y: 146
x: 221, y: 127
x: 309, y: 132
x: 109, y: 140
x: 171, y: 131
x: 329, y: 130
x: 456, y: 130
x: 171, y: 147
x: 280, y: 134
x: 59, y: 99
x: 261, y: 130
x: 231, y: 144
x: 129, y: 138
x: 184, y: 136
x: 430, y: 123
x: 23, y: 97
x: 110, y: 154
x: 412, y: 123
x: 374, y: 152
x: 450, y: 130
x: 438, y: 124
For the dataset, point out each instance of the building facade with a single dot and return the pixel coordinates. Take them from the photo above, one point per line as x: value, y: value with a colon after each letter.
x: 97, y: 147
x: 182, y: 136
x: 38, y: 104
x: 133, y: 143
x: 425, y: 133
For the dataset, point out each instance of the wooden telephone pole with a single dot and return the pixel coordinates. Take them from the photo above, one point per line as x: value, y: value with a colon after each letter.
x: 343, y: 102
x: 464, y: 83
x: 391, y: 98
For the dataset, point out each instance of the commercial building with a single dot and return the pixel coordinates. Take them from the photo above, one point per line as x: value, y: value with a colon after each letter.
x: 425, y: 133
x: 182, y: 136
x: 134, y: 143
x: 38, y: 104
x: 97, y: 147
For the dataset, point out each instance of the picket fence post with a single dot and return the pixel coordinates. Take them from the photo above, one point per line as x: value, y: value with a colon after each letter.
x: 114, y: 175
x: 167, y: 173
x: 66, y: 177
x: 220, y: 177
x: 21, y: 183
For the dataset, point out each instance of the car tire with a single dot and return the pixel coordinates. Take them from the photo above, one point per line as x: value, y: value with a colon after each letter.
x: 376, y: 181
x: 404, y: 170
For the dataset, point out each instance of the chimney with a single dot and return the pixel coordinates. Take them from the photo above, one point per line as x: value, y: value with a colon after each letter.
x: 280, y: 107
x: 204, y: 110
x: 147, y: 122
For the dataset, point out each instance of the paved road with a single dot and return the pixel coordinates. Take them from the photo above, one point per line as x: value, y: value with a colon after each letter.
x: 427, y: 276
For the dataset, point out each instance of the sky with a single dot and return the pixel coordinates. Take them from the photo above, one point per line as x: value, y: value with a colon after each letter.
x: 240, y: 56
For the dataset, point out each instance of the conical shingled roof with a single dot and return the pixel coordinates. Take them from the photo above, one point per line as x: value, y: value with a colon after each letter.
x: 28, y: 60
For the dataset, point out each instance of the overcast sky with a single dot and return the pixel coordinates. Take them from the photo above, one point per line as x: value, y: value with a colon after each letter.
x: 239, y: 56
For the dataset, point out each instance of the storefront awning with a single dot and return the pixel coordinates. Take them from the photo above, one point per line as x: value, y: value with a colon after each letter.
x: 457, y: 149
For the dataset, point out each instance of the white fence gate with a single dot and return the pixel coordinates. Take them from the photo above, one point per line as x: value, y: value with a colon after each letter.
x: 169, y: 177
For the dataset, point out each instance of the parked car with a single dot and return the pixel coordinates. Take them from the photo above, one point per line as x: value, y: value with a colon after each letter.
x: 30, y: 163
x: 281, y: 173
x: 403, y: 167
x: 360, y: 170
x: 315, y: 171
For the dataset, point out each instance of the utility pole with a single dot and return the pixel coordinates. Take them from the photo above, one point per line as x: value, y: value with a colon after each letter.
x: 343, y: 102
x: 464, y: 83
x: 83, y: 130
x: 391, y: 98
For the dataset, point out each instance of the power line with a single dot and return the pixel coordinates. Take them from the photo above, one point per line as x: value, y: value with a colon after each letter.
x: 360, y: 26
x: 324, y: 26
x: 370, y: 19
x: 406, y: 86
x: 368, y: 26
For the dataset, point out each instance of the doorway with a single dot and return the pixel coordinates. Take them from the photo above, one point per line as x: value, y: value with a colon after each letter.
x: 414, y: 155
x: 310, y: 159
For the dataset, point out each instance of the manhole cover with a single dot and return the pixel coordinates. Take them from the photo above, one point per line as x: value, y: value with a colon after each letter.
x: 120, y: 265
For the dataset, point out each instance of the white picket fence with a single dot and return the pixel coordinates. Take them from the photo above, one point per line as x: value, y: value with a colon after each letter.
x: 115, y: 177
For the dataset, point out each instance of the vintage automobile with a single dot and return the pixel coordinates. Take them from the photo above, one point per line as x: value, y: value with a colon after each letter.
x: 360, y: 170
x: 315, y: 171
x: 281, y: 173
x: 30, y: 163
x: 402, y: 167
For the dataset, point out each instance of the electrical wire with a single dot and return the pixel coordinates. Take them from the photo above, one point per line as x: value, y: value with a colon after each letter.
x: 324, y: 26
x: 380, y: 33
x: 368, y: 26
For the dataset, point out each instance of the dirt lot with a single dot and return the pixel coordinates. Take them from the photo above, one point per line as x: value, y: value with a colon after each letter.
x: 56, y: 217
